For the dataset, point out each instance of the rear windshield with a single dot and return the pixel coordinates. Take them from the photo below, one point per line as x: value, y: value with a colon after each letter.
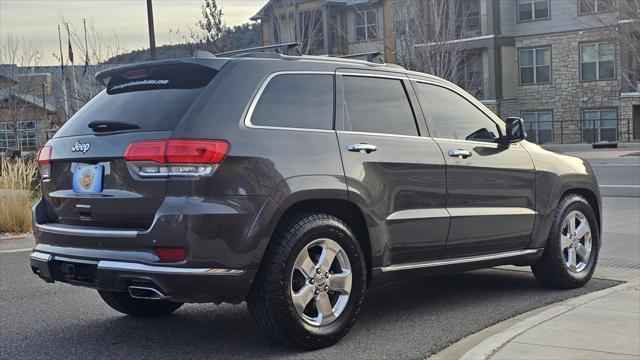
x: 154, y: 99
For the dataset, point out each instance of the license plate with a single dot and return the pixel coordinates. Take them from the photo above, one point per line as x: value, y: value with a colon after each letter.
x: 87, y: 178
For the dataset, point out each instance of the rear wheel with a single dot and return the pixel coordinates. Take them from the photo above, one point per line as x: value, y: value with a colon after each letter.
x: 124, y: 303
x: 571, y: 253
x: 311, y: 283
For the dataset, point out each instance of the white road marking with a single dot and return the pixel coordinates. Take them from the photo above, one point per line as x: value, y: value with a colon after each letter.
x: 11, y: 251
x: 620, y: 186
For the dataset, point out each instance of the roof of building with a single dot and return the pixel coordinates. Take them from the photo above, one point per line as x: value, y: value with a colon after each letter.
x: 261, y: 14
x: 29, y: 98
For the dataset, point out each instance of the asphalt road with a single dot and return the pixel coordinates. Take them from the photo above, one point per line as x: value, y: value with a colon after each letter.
x: 405, y: 320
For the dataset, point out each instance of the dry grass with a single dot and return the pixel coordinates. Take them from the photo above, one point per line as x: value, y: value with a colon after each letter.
x: 17, y: 174
x: 17, y: 194
x: 15, y: 211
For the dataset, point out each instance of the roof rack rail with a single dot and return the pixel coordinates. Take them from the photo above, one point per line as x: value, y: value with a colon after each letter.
x: 370, y: 55
x: 283, y: 48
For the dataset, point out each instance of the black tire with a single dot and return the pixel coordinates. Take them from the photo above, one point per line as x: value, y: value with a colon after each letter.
x: 124, y: 303
x: 270, y: 302
x: 551, y: 269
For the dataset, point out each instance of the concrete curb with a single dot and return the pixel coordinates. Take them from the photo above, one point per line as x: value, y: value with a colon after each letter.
x: 489, y: 346
x: 16, y: 237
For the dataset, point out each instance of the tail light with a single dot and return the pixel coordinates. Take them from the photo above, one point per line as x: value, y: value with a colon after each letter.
x: 176, y: 157
x: 44, y: 162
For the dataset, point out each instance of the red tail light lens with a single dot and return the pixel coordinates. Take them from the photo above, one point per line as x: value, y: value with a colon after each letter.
x: 153, y: 150
x: 44, y: 162
x: 171, y: 254
x: 196, y: 151
x: 177, y: 151
x: 44, y: 157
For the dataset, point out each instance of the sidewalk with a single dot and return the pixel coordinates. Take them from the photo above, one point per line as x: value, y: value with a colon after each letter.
x: 599, y: 325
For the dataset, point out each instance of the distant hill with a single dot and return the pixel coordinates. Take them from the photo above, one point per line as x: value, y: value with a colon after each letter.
x: 237, y: 37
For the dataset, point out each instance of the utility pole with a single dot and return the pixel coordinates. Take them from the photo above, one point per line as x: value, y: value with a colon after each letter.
x: 152, y: 35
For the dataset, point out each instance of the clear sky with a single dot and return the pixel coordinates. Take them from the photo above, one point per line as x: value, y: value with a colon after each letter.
x: 37, y: 20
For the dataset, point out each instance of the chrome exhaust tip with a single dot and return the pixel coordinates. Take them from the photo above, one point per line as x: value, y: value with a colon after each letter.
x: 147, y: 293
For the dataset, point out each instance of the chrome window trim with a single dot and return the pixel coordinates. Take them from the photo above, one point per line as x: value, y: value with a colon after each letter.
x: 464, y: 260
x: 385, y: 76
x: 254, y: 102
x: 381, y: 134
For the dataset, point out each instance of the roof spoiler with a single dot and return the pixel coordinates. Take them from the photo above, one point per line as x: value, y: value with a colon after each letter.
x: 104, y: 75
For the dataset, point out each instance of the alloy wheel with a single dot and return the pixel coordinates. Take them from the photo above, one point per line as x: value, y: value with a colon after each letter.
x: 575, y: 241
x: 321, y: 282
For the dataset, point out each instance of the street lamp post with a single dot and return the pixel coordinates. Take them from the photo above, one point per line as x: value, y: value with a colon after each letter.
x: 152, y: 36
x: 44, y: 108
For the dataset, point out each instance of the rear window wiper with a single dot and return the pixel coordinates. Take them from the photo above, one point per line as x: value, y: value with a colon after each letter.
x: 106, y: 126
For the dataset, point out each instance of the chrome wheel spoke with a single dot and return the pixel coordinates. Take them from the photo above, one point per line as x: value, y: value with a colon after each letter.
x: 325, y: 310
x: 329, y: 252
x: 572, y: 261
x: 582, y: 252
x: 582, y: 229
x: 302, y: 298
x: 565, y: 241
x: 340, y: 282
x: 305, y: 264
x: 572, y: 223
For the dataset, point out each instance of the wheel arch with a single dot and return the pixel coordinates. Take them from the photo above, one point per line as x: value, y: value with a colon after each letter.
x: 581, y: 185
x: 343, y: 209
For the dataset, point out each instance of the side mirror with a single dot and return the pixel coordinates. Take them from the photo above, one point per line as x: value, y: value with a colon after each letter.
x: 515, y: 131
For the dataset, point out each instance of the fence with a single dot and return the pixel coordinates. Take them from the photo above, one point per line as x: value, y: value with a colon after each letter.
x: 573, y: 131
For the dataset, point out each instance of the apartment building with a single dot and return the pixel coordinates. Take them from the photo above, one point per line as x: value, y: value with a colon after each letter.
x: 552, y: 62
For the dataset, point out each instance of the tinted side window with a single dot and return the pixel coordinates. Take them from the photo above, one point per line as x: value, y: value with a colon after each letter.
x: 454, y: 117
x: 377, y: 105
x: 296, y: 101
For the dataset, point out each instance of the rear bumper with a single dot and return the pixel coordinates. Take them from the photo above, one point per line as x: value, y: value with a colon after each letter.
x: 180, y: 284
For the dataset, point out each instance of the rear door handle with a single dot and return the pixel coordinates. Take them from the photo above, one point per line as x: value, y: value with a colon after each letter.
x: 362, y: 148
x: 461, y: 154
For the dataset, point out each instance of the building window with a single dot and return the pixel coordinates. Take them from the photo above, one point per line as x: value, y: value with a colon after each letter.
x: 401, y: 18
x: 529, y: 10
x: 539, y: 125
x: 535, y: 66
x: 470, y: 18
x: 311, y: 32
x: 597, y: 62
x: 469, y: 74
x: 27, y: 135
x: 599, y: 125
x: 366, y: 25
x: 586, y: 7
x: 7, y: 137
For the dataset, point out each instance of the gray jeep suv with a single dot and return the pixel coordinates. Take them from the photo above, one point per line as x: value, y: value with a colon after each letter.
x: 295, y: 183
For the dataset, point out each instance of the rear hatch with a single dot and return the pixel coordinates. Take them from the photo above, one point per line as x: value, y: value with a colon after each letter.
x: 91, y: 184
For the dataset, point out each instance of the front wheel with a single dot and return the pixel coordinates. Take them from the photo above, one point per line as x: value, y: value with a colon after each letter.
x: 571, y: 253
x: 311, y: 283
